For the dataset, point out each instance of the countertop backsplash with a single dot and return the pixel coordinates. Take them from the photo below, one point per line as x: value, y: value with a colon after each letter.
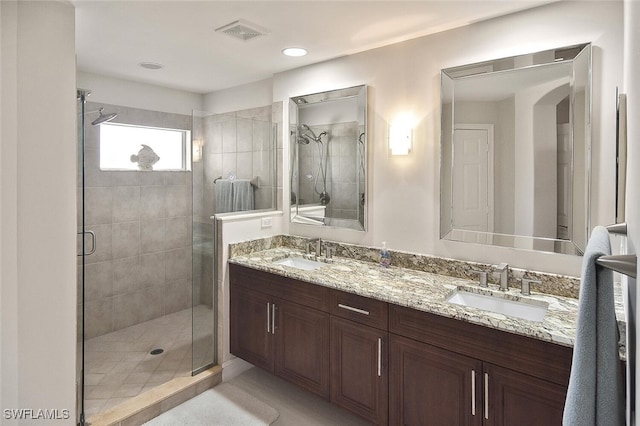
x: 559, y: 285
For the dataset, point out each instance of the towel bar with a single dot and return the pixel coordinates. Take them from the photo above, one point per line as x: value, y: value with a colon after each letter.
x: 617, y: 228
x: 625, y: 264
x: 255, y: 182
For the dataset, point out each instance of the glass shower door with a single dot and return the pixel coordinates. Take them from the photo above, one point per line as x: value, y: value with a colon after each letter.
x: 83, y: 250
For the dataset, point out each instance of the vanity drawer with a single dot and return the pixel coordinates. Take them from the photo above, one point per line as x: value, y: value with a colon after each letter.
x: 300, y: 292
x: 371, y: 312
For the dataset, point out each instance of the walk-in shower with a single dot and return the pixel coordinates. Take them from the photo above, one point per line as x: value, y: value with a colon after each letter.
x: 147, y: 297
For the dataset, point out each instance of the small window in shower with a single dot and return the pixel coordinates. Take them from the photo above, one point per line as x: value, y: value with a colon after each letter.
x: 130, y: 147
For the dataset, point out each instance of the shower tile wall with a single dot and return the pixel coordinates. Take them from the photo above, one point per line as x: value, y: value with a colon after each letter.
x: 342, y: 170
x: 141, y: 268
x: 240, y: 143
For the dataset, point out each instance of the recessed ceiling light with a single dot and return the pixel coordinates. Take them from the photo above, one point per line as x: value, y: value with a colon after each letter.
x: 151, y: 65
x: 294, y: 51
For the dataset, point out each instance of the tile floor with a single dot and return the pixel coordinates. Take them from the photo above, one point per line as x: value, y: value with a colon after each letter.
x: 119, y: 365
x: 295, y: 406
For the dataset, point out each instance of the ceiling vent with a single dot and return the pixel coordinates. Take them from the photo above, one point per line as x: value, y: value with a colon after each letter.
x: 242, y: 30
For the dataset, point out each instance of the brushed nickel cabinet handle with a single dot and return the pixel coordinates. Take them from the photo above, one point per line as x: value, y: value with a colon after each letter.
x: 473, y: 392
x: 352, y: 309
x: 268, y: 318
x: 379, y: 356
x: 486, y: 396
x: 273, y: 318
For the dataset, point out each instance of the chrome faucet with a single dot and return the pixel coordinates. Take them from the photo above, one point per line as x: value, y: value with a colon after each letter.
x: 503, y: 270
x: 318, y: 243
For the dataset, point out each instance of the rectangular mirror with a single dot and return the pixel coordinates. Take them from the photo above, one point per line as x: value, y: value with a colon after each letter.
x: 329, y: 158
x: 515, y: 151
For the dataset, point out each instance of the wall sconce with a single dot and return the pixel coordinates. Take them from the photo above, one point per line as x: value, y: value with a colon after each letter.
x: 197, y: 149
x: 400, y: 138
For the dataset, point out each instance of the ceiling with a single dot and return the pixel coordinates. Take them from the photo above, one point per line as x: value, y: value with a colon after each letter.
x: 113, y: 37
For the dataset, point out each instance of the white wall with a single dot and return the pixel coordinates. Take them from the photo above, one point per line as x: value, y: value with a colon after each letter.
x: 234, y: 229
x: 247, y: 96
x: 404, y: 191
x: 38, y: 207
x: 116, y: 91
x: 632, y: 89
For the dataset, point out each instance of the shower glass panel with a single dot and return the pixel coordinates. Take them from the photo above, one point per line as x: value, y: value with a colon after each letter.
x: 236, y: 152
x: 142, y: 319
x: 204, y: 290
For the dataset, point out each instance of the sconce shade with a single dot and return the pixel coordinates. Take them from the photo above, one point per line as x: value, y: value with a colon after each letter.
x: 400, y: 139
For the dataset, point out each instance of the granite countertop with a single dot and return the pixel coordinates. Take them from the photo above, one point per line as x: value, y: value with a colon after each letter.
x: 428, y: 292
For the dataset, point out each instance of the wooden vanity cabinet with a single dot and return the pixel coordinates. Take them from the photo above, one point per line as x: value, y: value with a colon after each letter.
x: 433, y: 386
x: 249, y: 337
x: 520, y: 399
x: 278, y: 324
x: 466, y: 374
x: 359, y: 356
x: 391, y: 364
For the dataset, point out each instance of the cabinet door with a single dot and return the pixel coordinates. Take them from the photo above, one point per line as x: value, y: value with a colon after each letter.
x: 248, y: 327
x: 302, y: 346
x: 433, y: 386
x: 359, y: 376
x: 519, y: 399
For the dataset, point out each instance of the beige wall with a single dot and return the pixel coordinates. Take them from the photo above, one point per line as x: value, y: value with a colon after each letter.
x: 38, y: 204
x: 116, y: 91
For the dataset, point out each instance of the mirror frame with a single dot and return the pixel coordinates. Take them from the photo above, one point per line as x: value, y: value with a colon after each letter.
x: 577, y: 235
x: 304, y: 214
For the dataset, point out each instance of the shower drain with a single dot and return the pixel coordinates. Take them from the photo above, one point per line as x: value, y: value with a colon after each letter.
x: 156, y: 351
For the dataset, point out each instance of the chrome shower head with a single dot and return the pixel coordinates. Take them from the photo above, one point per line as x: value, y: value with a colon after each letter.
x: 310, y: 135
x: 103, y: 118
x: 307, y: 129
x: 304, y: 140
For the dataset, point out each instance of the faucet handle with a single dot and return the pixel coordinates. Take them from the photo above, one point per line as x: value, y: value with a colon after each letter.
x: 525, y: 287
x: 482, y: 277
x: 329, y: 251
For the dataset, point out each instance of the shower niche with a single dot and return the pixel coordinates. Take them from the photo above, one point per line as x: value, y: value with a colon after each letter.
x: 329, y: 158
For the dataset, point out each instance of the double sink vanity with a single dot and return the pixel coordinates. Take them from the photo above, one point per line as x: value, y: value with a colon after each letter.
x: 431, y: 340
x: 419, y: 342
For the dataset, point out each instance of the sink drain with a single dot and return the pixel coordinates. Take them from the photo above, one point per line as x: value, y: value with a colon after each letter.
x: 156, y: 351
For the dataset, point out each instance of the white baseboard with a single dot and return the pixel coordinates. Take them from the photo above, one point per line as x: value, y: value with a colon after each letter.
x: 234, y: 367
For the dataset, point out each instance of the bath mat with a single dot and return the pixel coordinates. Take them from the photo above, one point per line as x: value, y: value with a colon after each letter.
x: 223, y: 405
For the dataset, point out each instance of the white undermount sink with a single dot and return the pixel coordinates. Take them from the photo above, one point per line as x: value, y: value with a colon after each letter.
x: 531, y: 310
x: 300, y: 263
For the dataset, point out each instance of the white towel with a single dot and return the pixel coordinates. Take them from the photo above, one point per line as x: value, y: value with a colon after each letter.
x: 223, y: 196
x: 595, y: 395
x: 242, y: 195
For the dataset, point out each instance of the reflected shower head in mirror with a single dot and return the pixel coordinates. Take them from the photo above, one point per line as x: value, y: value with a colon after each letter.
x: 304, y: 140
x: 308, y: 135
x: 103, y: 118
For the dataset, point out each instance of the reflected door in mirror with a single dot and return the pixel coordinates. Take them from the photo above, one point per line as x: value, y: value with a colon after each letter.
x: 472, y: 179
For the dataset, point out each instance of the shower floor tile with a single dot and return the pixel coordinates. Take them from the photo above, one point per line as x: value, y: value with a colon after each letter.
x: 119, y: 365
